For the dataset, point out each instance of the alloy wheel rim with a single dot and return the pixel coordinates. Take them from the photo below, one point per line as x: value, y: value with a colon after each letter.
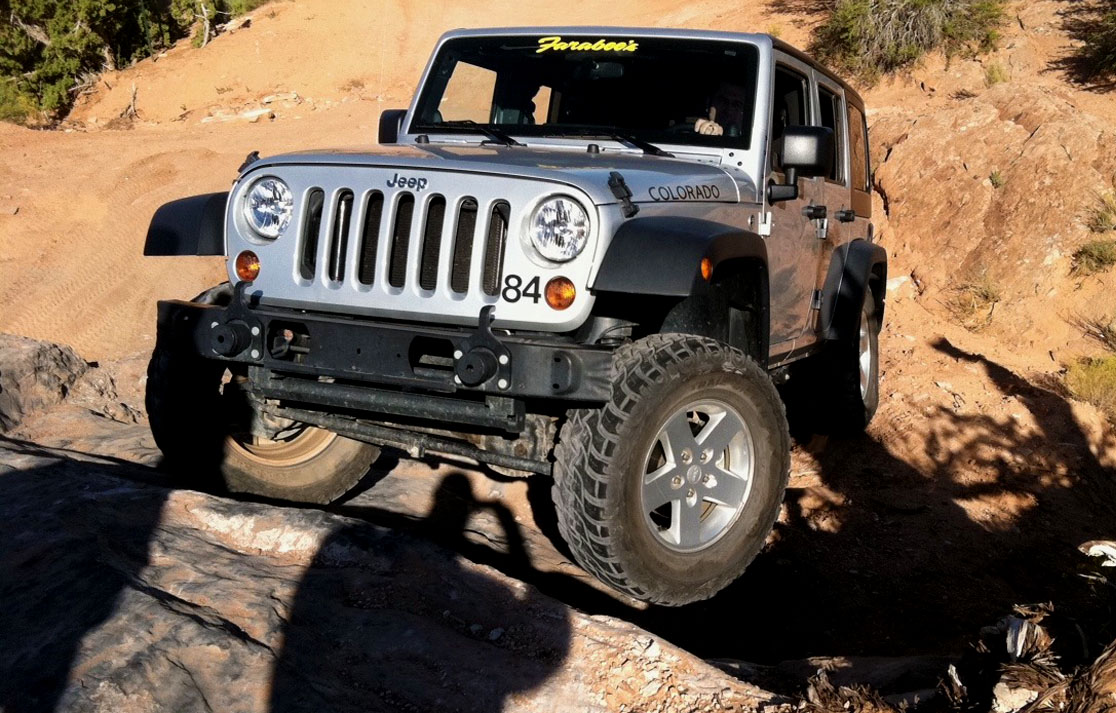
x: 697, y: 475
x: 865, y: 359
x: 296, y: 450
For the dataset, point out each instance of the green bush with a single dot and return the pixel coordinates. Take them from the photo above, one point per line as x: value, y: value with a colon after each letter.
x: 15, y: 106
x: 49, y: 47
x: 870, y: 37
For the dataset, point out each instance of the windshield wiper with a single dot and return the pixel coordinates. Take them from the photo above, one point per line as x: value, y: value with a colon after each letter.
x: 645, y: 146
x: 494, y: 134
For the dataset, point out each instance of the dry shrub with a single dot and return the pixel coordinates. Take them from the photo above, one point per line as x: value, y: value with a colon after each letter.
x: 973, y: 302
x: 1102, y: 329
x: 1094, y: 381
x: 1093, y: 257
x: 871, y: 37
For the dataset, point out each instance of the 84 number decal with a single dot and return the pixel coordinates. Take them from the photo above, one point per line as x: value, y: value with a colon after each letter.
x: 514, y: 289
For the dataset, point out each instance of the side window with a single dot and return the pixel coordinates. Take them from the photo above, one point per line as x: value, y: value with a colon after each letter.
x: 789, y: 106
x: 833, y: 118
x: 468, y: 94
x: 858, y: 149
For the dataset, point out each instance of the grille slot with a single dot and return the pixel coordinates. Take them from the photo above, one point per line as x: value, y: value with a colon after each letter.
x: 308, y: 262
x: 401, y: 239
x: 369, y: 237
x: 339, y: 237
x: 432, y: 242
x: 463, y: 245
x: 494, y: 248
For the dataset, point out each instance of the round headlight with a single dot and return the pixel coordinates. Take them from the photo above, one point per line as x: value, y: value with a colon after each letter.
x: 559, y: 229
x: 268, y: 206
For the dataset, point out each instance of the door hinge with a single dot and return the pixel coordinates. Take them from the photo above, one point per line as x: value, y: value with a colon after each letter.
x: 816, y: 302
x: 821, y: 227
x: 765, y: 223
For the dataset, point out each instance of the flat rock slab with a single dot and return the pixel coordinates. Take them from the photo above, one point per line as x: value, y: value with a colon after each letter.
x: 119, y: 595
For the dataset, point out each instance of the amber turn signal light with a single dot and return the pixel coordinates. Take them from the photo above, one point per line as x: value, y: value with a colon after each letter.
x: 560, y: 293
x: 706, y: 269
x: 247, y: 266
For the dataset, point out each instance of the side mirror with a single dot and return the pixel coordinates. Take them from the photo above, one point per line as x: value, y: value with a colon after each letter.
x: 804, y: 151
x: 391, y: 121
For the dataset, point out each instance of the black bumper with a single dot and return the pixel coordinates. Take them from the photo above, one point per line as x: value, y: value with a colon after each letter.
x: 437, y: 373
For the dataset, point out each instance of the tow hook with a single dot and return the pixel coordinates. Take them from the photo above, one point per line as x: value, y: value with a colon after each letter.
x: 241, y: 331
x: 482, y: 356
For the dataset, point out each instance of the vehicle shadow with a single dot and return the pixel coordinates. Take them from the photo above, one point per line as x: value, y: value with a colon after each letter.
x: 1092, y: 62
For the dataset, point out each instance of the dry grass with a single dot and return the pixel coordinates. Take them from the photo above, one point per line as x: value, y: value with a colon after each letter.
x: 1102, y: 217
x: 1094, y: 381
x: 973, y: 303
x: 995, y: 74
x: 1093, y: 257
x: 997, y: 179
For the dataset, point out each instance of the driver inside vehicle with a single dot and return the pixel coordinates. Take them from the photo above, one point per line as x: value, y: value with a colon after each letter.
x: 726, y: 111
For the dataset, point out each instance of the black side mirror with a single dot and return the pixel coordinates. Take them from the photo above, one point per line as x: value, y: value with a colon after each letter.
x: 391, y: 122
x: 803, y: 151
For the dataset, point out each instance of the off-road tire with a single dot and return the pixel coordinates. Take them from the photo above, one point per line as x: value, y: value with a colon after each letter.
x: 189, y: 420
x: 600, y: 464
x: 839, y: 406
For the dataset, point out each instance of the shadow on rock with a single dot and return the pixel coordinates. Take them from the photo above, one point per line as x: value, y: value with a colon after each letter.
x: 68, y: 564
x: 379, y: 625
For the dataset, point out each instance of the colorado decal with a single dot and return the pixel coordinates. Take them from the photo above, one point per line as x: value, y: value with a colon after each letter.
x: 697, y: 192
x: 556, y: 43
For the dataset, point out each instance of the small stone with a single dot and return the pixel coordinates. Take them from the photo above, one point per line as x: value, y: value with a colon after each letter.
x: 495, y: 634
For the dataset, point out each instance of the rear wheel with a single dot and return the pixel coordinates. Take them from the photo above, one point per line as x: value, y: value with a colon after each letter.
x: 668, y: 491
x: 846, y: 384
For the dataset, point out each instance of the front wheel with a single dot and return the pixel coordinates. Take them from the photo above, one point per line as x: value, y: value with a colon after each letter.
x: 669, y: 491
x: 198, y: 419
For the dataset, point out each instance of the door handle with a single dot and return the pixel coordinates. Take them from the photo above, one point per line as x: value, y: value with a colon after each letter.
x: 815, y: 212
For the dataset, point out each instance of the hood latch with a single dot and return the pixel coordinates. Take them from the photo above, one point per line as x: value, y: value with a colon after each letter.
x: 619, y: 188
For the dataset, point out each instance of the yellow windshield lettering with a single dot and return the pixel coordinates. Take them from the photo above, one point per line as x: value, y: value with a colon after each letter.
x: 557, y: 44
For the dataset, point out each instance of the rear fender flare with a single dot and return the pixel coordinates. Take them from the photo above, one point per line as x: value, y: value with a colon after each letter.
x: 855, y: 267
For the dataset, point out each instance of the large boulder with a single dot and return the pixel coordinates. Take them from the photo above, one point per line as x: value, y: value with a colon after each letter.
x: 34, y: 375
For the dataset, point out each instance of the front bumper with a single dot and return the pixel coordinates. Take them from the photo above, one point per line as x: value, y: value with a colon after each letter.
x: 470, y: 376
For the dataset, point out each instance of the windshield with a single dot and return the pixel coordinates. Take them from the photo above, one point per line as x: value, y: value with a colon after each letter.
x: 651, y: 89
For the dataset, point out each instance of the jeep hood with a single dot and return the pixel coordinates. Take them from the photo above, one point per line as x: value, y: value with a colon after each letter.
x: 650, y: 178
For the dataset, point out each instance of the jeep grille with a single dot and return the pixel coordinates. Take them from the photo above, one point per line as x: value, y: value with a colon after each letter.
x: 409, y: 219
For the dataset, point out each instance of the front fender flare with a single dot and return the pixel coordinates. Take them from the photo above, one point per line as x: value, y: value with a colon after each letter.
x: 662, y: 255
x: 190, y: 226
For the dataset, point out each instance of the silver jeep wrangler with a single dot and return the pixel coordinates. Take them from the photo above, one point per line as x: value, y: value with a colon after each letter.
x: 586, y: 253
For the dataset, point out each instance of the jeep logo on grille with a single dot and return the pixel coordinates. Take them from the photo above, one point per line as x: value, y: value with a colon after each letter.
x: 399, y: 181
